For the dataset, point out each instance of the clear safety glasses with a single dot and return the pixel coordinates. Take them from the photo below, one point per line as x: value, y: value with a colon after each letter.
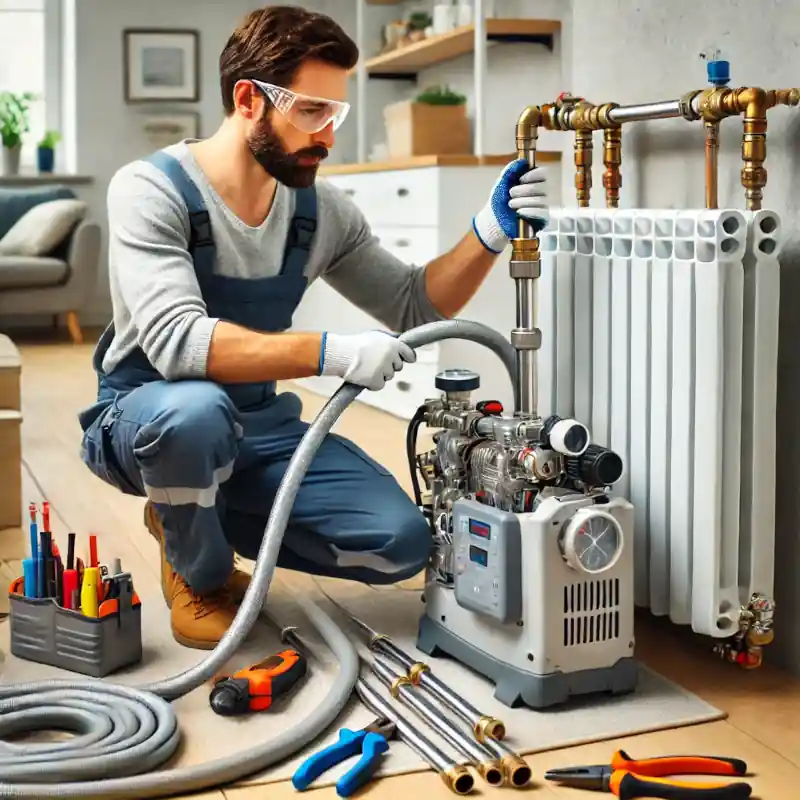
x: 308, y: 114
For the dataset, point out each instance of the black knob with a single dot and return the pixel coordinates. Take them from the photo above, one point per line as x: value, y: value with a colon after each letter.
x: 458, y: 380
x: 596, y: 466
x: 230, y: 697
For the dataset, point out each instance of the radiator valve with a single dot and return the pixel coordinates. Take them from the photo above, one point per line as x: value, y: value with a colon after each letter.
x: 746, y: 646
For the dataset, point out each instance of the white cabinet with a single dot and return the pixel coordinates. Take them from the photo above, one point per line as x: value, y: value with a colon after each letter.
x: 419, y: 214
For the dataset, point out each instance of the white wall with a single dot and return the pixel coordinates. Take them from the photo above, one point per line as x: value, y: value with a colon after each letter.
x: 628, y: 51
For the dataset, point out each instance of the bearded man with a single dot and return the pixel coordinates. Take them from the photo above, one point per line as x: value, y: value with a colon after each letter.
x: 212, y: 245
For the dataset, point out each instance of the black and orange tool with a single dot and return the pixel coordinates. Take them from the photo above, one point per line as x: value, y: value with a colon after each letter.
x: 110, y: 604
x: 628, y: 778
x: 256, y: 687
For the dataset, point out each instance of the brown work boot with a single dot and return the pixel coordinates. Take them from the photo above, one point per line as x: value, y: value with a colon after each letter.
x: 198, y: 621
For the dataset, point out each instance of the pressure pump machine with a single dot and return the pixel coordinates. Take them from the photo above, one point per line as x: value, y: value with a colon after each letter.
x: 530, y: 582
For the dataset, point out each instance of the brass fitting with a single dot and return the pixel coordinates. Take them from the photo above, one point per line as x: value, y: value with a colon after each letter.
x: 398, y: 683
x: 753, y: 102
x: 491, y: 772
x: 415, y: 672
x: 783, y: 97
x: 458, y: 779
x: 489, y: 728
x: 524, y: 249
x: 517, y: 771
x: 612, y: 160
x: 583, y: 166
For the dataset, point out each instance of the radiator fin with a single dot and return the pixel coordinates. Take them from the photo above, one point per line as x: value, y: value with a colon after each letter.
x: 659, y: 331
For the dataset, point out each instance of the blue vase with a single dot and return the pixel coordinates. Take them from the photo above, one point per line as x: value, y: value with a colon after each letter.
x: 45, y: 156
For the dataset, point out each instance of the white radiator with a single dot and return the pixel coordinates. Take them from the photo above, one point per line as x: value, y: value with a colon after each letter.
x: 660, y: 332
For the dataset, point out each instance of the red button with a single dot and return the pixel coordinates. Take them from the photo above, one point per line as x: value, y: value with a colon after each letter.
x: 489, y: 407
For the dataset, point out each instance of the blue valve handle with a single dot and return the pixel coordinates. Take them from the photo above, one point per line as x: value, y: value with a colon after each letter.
x: 371, y: 745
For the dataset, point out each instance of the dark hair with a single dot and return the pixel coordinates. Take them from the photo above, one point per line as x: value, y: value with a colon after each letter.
x: 271, y: 43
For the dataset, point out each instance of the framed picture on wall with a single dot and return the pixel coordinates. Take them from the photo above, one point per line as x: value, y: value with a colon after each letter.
x: 165, y: 128
x: 161, y: 64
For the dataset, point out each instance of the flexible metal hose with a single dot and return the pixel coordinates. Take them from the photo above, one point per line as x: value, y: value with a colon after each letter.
x: 128, y: 731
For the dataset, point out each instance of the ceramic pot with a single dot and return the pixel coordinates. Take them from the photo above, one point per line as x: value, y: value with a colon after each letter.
x: 11, y: 158
x: 45, y: 159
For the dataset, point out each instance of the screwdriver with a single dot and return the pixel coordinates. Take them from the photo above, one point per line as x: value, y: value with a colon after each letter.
x: 256, y: 687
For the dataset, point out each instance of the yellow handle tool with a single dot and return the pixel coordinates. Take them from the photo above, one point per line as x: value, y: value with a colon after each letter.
x: 89, y: 600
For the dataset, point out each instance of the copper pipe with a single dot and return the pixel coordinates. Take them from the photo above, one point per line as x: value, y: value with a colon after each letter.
x: 583, y: 167
x: 612, y: 160
x: 712, y: 154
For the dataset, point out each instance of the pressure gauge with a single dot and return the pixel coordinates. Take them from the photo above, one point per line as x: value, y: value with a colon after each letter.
x: 591, y: 541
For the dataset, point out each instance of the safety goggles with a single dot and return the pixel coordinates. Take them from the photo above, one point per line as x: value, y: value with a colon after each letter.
x: 308, y: 114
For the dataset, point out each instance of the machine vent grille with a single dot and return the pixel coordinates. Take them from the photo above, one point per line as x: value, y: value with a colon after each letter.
x: 591, y: 612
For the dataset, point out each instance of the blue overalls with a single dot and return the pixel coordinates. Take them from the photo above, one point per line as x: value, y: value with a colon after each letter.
x: 210, y: 457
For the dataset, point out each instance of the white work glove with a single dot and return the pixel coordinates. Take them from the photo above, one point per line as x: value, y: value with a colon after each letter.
x: 367, y: 359
x: 518, y: 192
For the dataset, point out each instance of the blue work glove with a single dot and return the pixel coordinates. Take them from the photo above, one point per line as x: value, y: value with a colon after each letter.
x: 518, y: 192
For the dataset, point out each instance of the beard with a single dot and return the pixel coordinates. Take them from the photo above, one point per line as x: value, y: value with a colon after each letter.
x: 285, y: 167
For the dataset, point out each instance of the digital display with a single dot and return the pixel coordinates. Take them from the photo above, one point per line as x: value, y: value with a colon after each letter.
x: 480, y: 529
x: 478, y: 556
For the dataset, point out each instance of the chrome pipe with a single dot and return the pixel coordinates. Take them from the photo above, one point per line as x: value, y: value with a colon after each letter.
x: 663, y: 109
x: 401, y: 688
x: 455, y: 776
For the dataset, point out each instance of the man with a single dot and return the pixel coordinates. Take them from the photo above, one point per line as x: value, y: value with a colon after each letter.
x: 212, y: 245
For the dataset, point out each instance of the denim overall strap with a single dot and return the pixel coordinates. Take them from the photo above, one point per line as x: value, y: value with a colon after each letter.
x: 201, y: 240
x: 302, y: 228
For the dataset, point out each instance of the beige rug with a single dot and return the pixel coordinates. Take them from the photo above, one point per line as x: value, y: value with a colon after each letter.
x: 657, y: 704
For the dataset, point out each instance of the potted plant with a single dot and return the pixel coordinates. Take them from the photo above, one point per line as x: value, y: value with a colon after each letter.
x: 435, y: 122
x: 46, y: 151
x: 14, y: 124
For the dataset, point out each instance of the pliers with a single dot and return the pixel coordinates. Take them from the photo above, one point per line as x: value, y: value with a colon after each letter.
x: 627, y: 778
x: 372, y: 742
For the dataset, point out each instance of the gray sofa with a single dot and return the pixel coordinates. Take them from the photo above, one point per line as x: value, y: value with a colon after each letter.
x: 59, y: 282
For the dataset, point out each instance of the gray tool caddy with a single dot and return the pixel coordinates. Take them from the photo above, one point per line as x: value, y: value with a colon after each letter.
x: 45, y: 632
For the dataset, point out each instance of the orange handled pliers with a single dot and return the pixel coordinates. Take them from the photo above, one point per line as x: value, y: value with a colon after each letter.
x: 628, y: 778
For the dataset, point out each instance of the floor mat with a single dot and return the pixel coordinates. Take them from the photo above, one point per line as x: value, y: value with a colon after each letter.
x: 657, y: 704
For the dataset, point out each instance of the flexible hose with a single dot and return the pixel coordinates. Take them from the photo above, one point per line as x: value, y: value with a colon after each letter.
x: 128, y: 731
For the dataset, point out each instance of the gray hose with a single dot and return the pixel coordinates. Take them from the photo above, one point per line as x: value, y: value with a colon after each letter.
x: 129, y: 731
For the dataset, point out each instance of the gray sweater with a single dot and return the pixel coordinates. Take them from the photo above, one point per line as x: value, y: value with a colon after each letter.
x: 156, y: 299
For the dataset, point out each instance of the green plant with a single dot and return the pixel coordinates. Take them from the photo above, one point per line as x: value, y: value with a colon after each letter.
x: 419, y: 20
x: 50, y: 140
x: 14, y: 117
x: 440, y: 96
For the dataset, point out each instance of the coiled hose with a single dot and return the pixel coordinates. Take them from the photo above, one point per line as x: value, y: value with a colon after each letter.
x: 127, y: 732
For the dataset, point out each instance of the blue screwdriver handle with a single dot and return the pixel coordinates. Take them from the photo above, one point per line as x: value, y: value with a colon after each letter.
x: 348, y: 745
x: 372, y: 749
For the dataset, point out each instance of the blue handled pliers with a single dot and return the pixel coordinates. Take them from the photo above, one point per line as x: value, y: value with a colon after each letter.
x: 371, y: 741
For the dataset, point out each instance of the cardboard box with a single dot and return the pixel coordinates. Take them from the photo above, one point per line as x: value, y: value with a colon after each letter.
x: 10, y: 469
x: 10, y: 374
x: 422, y: 129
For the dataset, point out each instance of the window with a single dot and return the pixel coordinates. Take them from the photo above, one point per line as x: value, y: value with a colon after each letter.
x: 22, y: 64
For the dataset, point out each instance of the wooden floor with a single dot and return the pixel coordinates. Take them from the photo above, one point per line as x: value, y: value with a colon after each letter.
x: 763, y: 705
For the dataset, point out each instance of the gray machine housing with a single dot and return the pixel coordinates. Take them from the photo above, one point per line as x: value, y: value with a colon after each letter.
x: 520, y: 615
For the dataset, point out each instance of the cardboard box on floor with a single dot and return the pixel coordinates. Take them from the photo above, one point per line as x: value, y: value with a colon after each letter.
x: 13, y: 542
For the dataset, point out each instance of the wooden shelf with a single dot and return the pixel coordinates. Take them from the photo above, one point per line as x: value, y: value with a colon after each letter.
x: 416, y: 162
x: 407, y: 61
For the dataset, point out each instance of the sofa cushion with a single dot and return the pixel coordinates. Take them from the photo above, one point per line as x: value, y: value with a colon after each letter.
x: 42, y: 228
x: 27, y: 272
x: 14, y: 202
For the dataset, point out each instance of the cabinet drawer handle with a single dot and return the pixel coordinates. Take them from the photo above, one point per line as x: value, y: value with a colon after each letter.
x: 402, y: 192
x: 402, y: 243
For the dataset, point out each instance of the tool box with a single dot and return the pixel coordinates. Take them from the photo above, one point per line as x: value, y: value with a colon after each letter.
x: 45, y: 632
